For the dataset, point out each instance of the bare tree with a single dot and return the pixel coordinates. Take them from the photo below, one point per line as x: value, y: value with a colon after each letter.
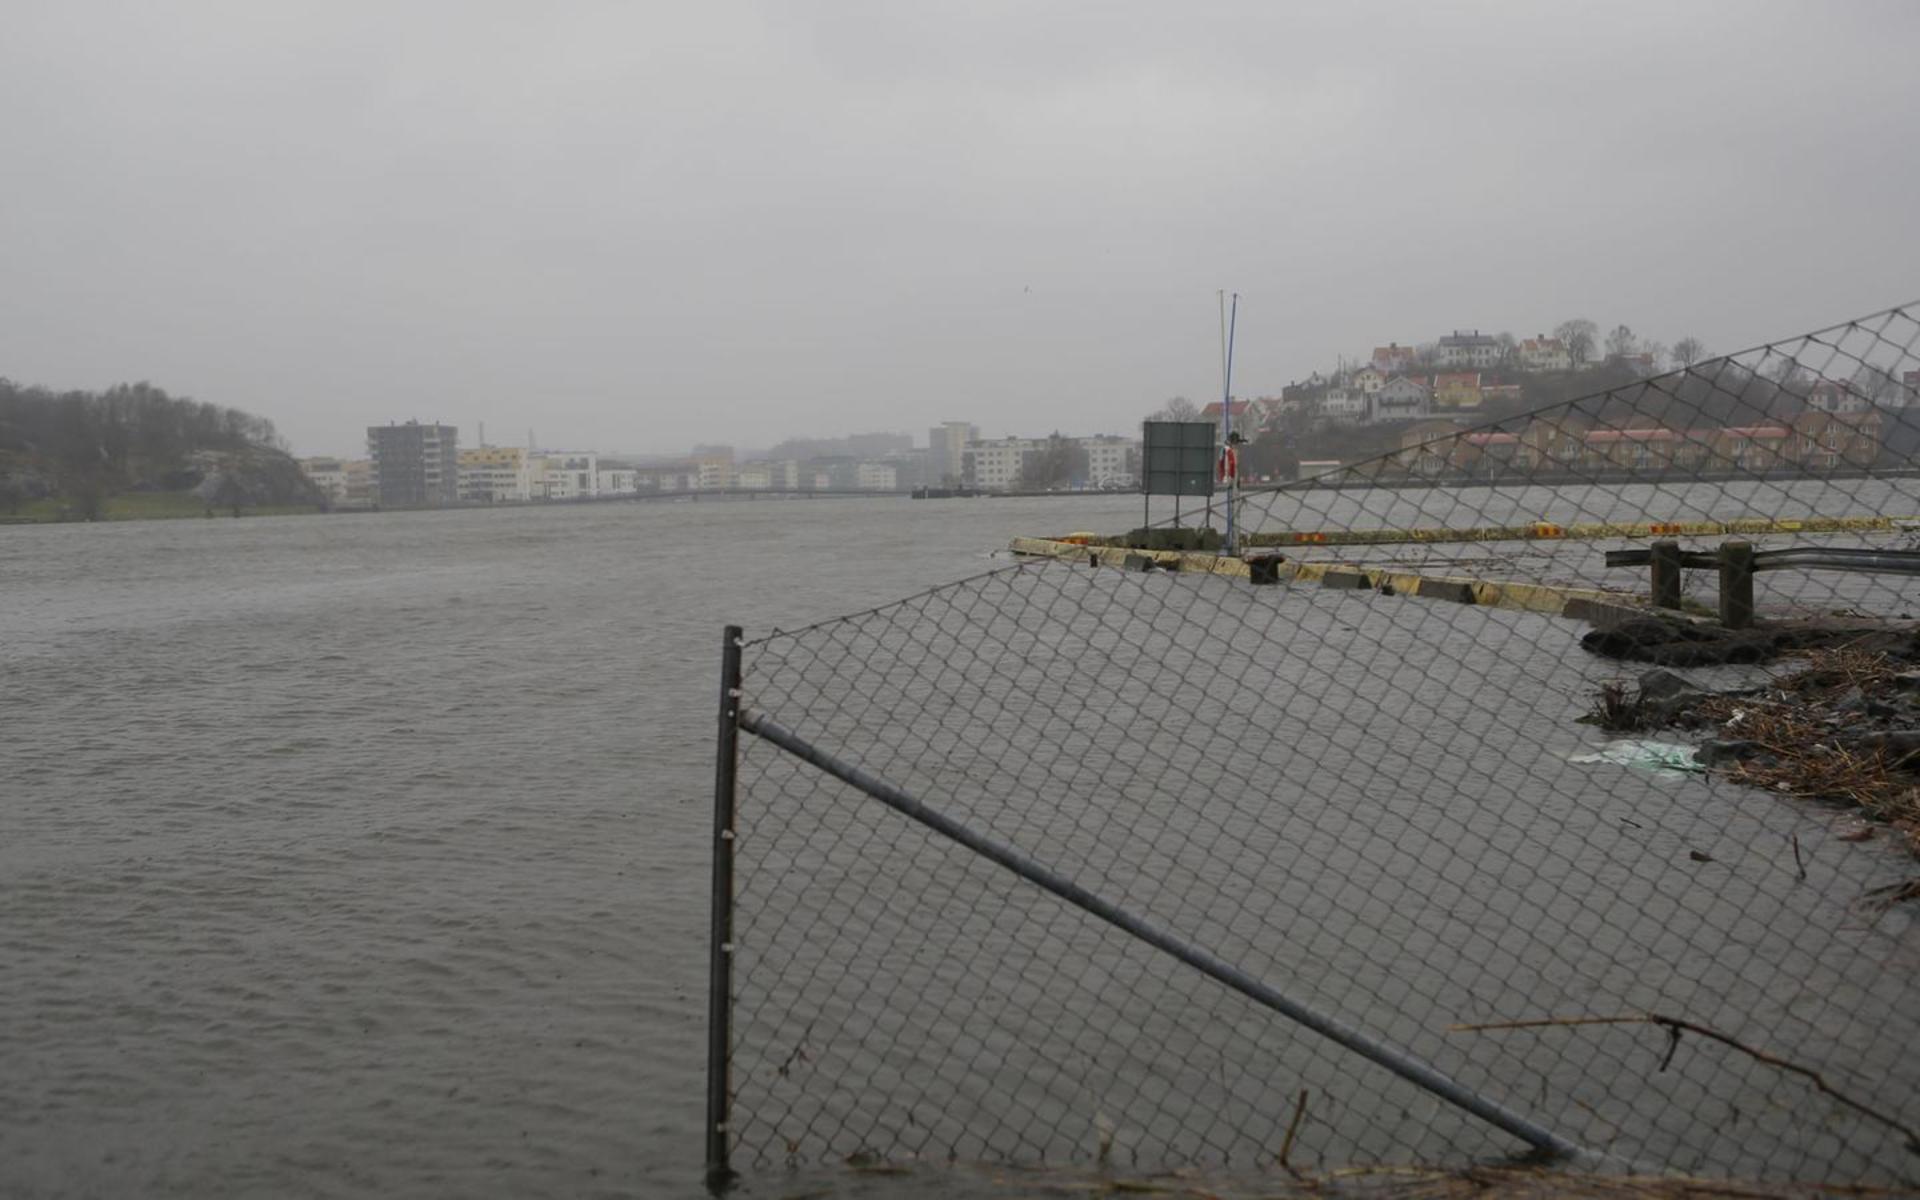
x: 1621, y: 342
x: 1689, y: 350
x: 1581, y: 336
x: 1786, y: 371
x: 1876, y: 383
x: 1058, y: 464
x: 1177, y: 409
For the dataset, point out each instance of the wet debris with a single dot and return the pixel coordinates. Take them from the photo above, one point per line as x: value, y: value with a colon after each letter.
x: 1675, y: 642
x: 1647, y: 755
x: 1378, y: 1182
x: 1841, y: 728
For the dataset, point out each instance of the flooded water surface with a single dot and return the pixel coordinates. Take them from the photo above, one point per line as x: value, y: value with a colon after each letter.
x: 368, y: 854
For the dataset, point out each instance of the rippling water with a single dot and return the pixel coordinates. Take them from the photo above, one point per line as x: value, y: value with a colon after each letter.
x: 367, y: 854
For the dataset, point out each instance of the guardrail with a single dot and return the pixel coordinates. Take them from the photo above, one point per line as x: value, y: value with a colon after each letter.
x: 1737, y: 562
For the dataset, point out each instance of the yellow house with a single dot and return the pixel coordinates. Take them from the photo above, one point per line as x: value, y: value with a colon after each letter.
x: 1456, y: 389
x: 489, y: 474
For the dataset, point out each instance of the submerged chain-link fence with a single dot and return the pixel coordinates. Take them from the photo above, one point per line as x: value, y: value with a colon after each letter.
x: 1400, y: 788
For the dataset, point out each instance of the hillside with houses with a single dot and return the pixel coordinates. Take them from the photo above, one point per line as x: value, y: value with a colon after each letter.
x: 1457, y: 407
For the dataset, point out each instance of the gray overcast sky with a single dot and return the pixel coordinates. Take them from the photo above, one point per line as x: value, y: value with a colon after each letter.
x: 638, y: 226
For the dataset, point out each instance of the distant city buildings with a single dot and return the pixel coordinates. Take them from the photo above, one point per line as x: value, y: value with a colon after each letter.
x: 946, y: 448
x: 1394, y: 359
x: 411, y: 465
x: 1363, y: 409
x: 1104, y: 461
x: 1456, y: 389
x: 1402, y: 399
x: 494, y: 475
x: 564, y: 474
x: 1242, y: 411
x: 1473, y: 349
x: 995, y: 464
x: 1543, y: 353
x: 414, y: 465
x: 876, y: 477
x: 714, y: 469
x: 329, y: 477
x: 1815, y: 439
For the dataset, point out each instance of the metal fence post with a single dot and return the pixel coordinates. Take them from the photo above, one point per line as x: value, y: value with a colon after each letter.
x: 1736, y: 584
x: 1666, y: 574
x: 720, y: 969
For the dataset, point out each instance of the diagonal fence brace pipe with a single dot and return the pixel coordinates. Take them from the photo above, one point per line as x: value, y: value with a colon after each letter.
x: 1392, y: 1058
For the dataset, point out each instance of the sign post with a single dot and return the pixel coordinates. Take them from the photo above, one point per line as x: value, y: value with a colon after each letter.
x: 1177, y: 459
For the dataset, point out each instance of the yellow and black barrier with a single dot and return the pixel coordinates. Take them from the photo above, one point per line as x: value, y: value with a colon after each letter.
x: 1579, y: 602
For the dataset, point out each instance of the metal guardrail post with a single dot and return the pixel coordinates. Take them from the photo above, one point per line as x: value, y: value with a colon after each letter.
x: 1736, y: 585
x: 1666, y: 574
x: 720, y: 968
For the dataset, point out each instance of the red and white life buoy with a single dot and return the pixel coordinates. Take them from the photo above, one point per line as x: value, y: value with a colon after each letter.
x: 1229, y: 463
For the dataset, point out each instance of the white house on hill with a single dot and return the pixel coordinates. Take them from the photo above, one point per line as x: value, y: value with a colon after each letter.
x: 1402, y: 399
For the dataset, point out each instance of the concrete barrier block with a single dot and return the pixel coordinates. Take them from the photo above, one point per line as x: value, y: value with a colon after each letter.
x: 1265, y: 568
x: 1456, y: 590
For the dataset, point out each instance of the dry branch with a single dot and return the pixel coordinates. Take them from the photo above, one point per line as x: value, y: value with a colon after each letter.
x: 1293, y: 1127
x: 1677, y: 1025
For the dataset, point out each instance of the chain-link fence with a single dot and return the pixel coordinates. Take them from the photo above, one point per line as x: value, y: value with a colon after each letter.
x: 1383, y: 863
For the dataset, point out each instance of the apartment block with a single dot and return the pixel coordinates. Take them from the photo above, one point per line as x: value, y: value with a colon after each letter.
x: 414, y: 465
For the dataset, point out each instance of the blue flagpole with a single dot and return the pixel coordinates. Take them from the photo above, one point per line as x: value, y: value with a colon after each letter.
x: 1226, y: 409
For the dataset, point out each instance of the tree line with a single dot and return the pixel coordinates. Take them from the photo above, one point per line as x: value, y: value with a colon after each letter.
x: 84, y: 446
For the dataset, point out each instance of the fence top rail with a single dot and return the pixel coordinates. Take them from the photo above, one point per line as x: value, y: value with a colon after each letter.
x: 970, y: 581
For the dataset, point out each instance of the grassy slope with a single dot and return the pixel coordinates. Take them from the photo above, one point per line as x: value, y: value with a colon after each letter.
x: 143, y: 506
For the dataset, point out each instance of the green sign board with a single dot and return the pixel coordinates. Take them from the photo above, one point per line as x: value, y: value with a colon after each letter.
x: 1178, y: 458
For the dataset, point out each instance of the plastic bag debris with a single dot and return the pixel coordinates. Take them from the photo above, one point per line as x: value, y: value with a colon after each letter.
x: 1664, y: 757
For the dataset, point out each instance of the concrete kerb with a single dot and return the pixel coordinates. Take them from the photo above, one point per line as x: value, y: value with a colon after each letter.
x: 1587, y: 604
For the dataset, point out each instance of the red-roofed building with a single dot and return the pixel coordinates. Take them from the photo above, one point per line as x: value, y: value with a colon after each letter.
x: 1490, y: 450
x: 1394, y: 359
x: 1750, y: 447
x: 1828, y: 441
x: 1456, y: 389
x: 1245, y: 419
x: 1556, y: 441
x: 1211, y: 412
x: 1651, y: 449
x: 1543, y: 353
x: 1368, y: 379
x: 1432, y: 448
